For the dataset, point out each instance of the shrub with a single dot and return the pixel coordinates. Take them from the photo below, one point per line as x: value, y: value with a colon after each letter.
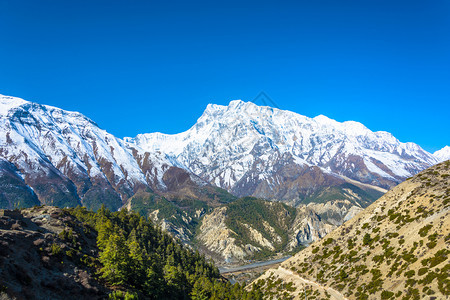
x: 55, y: 249
x: 350, y: 244
x: 386, y: 295
x: 422, y: 271
x: 328, y: 241
x: 119, y: 295
x: 409, y: 257
x: 431, y: 245
x: 424, y: 230
x: 410, y: 273
x: 366, y: 239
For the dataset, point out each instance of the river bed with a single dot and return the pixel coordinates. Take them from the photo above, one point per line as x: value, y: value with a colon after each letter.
x: 223, y: 270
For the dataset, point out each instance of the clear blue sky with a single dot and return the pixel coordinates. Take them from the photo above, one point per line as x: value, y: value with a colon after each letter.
x: 143, y: 66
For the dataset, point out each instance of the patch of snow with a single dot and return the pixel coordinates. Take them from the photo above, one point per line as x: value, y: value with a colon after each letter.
x: 375, y: 169
x: 7, y: 103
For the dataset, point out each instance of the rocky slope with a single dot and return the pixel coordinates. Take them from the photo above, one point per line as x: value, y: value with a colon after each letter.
x: 53, y: 253
x: 37, y: 257
x: 251, y: 228
x: 398, y: 248
x: 179, y: 215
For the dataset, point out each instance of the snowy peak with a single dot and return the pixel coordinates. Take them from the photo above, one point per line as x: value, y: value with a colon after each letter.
x: 242, y: 147
x: 8, y: 103
x: 21, y: 109
x: 228, y: 143
x: 443, y: 154
x: 236, y: 104
x: 325, y: 121
x: 68, y: 160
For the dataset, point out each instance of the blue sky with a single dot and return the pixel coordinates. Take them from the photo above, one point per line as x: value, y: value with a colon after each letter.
x: 144, y: 66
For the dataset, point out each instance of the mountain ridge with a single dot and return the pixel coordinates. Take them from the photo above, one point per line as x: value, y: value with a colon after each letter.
x: 82, y: 163
x: 242, y: 147
x: 56, y: 157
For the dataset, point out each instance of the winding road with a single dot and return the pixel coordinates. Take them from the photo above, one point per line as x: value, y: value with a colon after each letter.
x: 296, y: 278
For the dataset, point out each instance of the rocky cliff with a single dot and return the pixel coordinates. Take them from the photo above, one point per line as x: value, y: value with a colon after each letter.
x: 251, y: 228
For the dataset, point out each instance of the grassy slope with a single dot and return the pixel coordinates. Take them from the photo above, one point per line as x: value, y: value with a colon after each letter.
x: 397, y: 248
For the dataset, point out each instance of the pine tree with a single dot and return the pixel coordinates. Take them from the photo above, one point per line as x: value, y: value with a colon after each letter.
x: 115, y: 260
x: 202, y: 289
x: 104, y: 228
x: 138, y: 260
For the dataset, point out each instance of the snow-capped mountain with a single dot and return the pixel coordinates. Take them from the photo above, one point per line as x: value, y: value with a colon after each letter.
x: 443, y: 154
x: 66, y: 159
x: 52, y: 156
x: 259, y: 150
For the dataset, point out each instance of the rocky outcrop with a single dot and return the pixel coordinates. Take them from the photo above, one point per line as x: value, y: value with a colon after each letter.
x: 37, y: 256
x: 308, y: 227
x: 220, y: 240
x: 293, y: 228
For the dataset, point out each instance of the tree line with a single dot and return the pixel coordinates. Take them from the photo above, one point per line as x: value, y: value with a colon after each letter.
x: 141, y: 261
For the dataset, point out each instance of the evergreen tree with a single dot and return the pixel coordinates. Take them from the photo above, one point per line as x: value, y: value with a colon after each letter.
x: 202, y: 289
x: 143, y: 260
x: 138, y: 261
x: 104, y: 228
x: 115, y: 260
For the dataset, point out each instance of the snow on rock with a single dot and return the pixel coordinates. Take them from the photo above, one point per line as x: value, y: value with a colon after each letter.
x: 40, y: 139
x: 7, y: 103
x: 443, y: 154
x: 236, y: 146
x: 228, y: 141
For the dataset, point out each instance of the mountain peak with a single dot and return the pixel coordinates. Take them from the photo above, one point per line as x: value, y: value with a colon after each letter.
x: 443, y: 154
x: 7, y: 103
x: 325, y: 120
x: 236, y: 103
x: 213, y: 107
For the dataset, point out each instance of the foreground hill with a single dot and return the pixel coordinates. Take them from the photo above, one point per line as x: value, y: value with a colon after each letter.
x: 52, y: 253
x: 397, y: 248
